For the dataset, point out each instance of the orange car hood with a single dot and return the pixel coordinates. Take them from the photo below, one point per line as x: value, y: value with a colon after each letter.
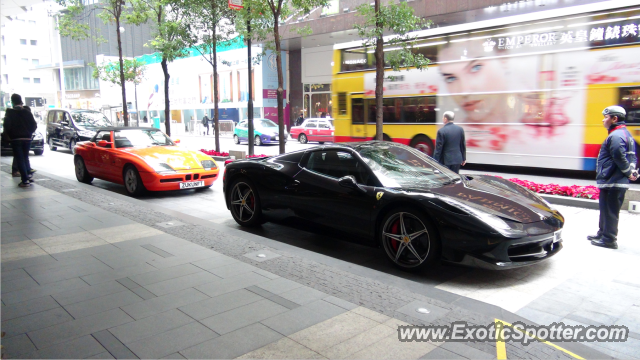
x: 177, y: 158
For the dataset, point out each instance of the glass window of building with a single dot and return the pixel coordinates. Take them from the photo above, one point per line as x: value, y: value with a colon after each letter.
x: 36, y: 80
x: 34, y: 42
x: 317, y: 100
x: 23, y: 41
x: 35, y: 62
x: 26, y: 80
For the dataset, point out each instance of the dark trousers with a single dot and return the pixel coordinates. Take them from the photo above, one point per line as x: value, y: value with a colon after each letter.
x: 207, y: 126
x: 610, y: 203
x: 454, y: 168
x: 21, y: 157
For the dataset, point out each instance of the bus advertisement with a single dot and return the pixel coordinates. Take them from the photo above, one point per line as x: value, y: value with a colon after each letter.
x: 526, y: 95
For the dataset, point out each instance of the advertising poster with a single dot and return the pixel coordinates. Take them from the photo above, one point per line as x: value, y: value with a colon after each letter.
x: 270, y: 79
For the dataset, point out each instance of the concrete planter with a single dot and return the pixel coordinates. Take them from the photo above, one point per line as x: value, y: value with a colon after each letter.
x: 571, y: 201
x: 220, y: 158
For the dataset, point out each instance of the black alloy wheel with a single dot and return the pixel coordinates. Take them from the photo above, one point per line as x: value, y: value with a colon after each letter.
x: 38, y: 152
x: 303, y: 139
x: 72, y: 145
x: 81, y: 170
x: 409, y: 239
x: 245, y: 203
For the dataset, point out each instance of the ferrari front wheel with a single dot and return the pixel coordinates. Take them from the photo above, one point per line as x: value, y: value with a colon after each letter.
x: 132, y: 181
x: 81, y: 170
x: 245, y: 203
x: 409, y: 239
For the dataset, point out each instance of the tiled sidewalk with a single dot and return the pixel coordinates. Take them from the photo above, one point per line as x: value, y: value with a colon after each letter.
x: 81, y: 282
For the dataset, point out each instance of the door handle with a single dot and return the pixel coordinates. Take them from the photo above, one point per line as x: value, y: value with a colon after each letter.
x: 294, y: 185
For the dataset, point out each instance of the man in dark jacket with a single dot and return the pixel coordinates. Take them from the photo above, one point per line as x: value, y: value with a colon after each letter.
x: 451, y: 150
x: 205, y: 123
x: 19, y: 126
x: 299, y: 120
x: 616, y: 165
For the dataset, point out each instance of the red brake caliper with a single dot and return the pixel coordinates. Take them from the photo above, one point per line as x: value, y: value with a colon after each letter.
x: 394, y: 230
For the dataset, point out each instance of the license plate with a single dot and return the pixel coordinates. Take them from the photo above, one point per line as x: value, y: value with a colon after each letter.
x: 191, y: 184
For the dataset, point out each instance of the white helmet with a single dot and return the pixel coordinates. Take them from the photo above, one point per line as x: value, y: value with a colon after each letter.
x: 615, y: 110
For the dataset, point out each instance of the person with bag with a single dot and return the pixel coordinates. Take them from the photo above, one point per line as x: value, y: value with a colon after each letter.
x: 19, y: 126
x: 205, y: 123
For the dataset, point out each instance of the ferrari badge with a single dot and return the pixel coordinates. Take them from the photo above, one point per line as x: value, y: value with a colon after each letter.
x: 379, y: 195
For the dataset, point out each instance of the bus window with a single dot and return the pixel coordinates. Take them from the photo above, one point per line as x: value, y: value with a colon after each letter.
x: 357, y: 111
x: 409, y: 110
x: 630, y: 100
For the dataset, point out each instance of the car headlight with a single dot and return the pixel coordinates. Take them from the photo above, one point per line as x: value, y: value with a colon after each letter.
x: 208, y: 164
x: 37, y: 136
x: 162, y: 168
x: 86, y: 133
x: 494, y: 221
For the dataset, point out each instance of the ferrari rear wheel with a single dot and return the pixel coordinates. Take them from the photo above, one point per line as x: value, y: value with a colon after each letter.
x: 245, y: 203
x: 81, y: 170
x: 132, y: 181
x: 409, y: 239
x: 303, y: 139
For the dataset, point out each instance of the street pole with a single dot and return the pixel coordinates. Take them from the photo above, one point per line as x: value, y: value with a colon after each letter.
x: 250, y: 102
x: 62, y: 92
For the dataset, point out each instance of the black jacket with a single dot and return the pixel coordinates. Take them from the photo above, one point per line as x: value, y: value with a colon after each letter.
x: 19, y: 123
x: 617, y: 158
x: 451, y: 148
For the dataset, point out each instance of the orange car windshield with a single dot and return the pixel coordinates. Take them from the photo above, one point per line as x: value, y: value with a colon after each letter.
x: 140, y: 138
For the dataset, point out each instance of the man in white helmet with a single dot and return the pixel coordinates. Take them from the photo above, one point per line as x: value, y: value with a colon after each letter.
x: 616, y: 166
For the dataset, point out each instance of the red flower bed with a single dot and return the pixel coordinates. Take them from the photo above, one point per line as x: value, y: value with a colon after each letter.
x: 586, y: 192
x: 214, y: 153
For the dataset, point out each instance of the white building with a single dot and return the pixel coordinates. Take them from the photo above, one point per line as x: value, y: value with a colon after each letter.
x: 26, y: 44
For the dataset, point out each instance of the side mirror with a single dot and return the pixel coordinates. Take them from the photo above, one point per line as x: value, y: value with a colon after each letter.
x: 104, y: 143
x: 350, y: 182
x: 177, y: 141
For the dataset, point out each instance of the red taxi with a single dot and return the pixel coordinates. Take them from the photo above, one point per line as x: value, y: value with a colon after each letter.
x: 314, y: 129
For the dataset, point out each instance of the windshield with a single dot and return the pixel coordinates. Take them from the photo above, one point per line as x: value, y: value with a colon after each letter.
x: 264, y: 123
x: 90, y: 120
x: 401, y: 166
x: 140, y: 138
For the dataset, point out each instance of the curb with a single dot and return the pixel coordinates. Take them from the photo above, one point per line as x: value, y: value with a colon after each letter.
x: 571, y: 201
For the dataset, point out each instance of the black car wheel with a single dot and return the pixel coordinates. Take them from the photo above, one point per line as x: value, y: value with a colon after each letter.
x: 321, y: 142
x: 51, y: 146
x: 258, y: 141
x: 236, y: 139
x: 38, y: 152
x: 303, y: 139
x: 409, y: 239
x: 72, y: 145
x: 423, y: 143
x: 132, y: 181
x: 81, y: 171
x: 245, y: 204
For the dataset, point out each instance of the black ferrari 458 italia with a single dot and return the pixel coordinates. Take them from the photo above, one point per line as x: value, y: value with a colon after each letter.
x: 395, y: 197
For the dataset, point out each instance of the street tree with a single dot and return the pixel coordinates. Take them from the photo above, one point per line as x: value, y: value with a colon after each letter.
x: 134, y: 72
x: 265, y: 17
x: 74, y: 23
x: 397, y: 20
x: 211, y: 25
x: 170, y: 39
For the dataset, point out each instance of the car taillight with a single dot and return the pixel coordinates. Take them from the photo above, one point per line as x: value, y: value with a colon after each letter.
x: 224, y: 174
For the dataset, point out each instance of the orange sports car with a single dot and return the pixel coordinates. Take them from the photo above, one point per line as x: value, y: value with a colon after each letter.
x: 142, y: 159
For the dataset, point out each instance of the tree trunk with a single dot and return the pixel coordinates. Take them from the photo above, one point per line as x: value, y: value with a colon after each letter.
x: 125, y: 113
x: 280, y: 92
x: 379, y: 55
x: 214, y: 62
x: 167, y: 112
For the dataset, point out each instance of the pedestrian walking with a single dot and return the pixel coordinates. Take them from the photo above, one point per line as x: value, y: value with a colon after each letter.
x: 300, y: 119
x: 451, y: 150
x: 205, y: 123
x: 19, y: 126
x: 615, y: 167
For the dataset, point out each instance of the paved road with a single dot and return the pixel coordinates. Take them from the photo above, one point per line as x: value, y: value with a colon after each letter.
x: 578, y: 286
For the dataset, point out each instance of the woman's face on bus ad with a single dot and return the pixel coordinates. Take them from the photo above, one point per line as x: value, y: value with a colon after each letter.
x: 472, y: 79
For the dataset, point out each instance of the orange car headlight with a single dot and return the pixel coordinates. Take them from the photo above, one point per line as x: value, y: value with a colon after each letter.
x: 208, y: 164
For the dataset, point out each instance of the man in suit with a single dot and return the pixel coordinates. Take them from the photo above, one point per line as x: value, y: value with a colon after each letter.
x: 451, y: 150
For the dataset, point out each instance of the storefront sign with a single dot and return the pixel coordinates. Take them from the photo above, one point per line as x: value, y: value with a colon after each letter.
x: 273, y: 94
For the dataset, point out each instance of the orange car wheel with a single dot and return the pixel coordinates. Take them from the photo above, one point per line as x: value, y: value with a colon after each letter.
x: 81, y: 170
x: 133, y: 182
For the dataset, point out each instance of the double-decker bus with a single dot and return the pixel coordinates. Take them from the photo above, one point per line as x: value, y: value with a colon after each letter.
x: 528, y: 90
